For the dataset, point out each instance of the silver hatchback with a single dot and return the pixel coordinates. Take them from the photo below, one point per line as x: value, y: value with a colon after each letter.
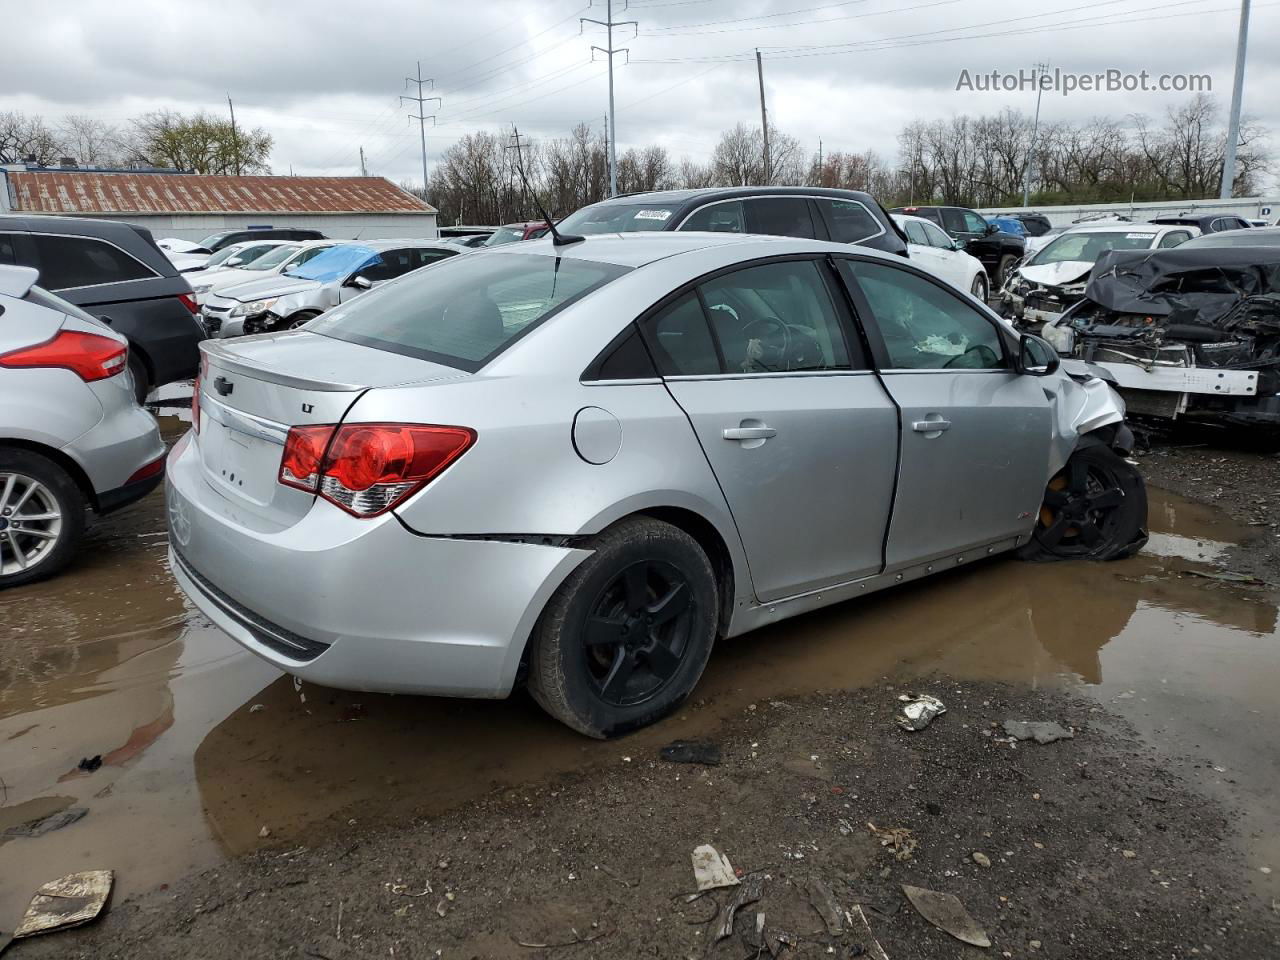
x: 579, y: 465
x: 72, y: 436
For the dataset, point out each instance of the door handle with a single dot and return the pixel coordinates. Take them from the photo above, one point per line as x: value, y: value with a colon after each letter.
x: 930, y: 426
x: 749, y: 433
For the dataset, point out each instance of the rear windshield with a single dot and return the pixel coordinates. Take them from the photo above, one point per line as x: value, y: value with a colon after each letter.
x: 504, y: 235
x: 336, y: 262
x: 618, y: 218
x: 465, y: 311
x: 1087, y: 247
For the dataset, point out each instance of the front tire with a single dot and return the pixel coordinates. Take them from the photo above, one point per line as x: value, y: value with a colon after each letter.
x: 979, y: 287
x: 625, y: 638
x: 299, y: 319
x: 1095, y: 508
x: 1007, y: 263
x: 42, y: 515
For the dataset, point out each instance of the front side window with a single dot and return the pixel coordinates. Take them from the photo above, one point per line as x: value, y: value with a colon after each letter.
x: 953, y: 221
x: 936, y: 238
x: 924, y: 327
x: 464, y: 312
x: 727, y: 217
x: 69, y: 262
x: 774, y: 318
x: 781, y: 217
x: 974, y: 223
x: 850, y: 221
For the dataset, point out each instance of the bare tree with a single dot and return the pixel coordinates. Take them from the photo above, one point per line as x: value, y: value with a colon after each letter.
x: 25, y: 137
x: 92, y: 142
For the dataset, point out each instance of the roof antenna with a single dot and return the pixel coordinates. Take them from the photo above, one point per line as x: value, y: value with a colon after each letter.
x: 557, y: 238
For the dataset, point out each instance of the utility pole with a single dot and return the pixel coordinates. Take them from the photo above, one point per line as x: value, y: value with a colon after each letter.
x: 764, y: 118
x: 1035, y: 132
x: 819, y: 183
x: 609, y: 23
x: 515, y: 135
x: 607, y: 141
x: 235, y: 138
x: 1237, y: 93
x: 364, y: 171
x: 421, y: 117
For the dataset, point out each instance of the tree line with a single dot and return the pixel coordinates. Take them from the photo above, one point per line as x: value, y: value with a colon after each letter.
x: 975, y: 161
x: 197, y: 142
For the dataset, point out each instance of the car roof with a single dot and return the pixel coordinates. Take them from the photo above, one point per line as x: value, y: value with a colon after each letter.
x: 406, y: 242
x: 904, y: 217
x: 1112, y: 227
x: 649, y: 246
x: 726, y: 193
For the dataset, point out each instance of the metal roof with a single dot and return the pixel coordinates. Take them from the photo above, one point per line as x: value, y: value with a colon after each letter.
x: 90, y: 193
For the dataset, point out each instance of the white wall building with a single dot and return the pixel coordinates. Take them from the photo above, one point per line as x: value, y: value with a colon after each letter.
x: 193, y: 206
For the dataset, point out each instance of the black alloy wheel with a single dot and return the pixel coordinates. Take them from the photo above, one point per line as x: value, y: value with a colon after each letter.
x: 637, y: 632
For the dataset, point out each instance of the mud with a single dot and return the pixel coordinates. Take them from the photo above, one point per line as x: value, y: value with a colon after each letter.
x: 203, y: 746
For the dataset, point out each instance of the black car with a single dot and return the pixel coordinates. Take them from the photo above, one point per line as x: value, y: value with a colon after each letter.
x: 114, y: 271
x: 1209, y: 223
x: 998, y: 251
x: 1036, y: 224
x: 215, y: 242
x: 845, y: 216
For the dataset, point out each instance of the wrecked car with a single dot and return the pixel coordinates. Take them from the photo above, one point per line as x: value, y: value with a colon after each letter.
x: 1189, y: 333
x: 1054, y: 278
x: 580, y: 463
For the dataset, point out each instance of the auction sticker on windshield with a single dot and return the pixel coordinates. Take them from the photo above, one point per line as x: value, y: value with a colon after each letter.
x: 653, y: 215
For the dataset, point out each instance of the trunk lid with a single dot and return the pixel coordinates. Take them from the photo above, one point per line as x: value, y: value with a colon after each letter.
x: 253, y: 389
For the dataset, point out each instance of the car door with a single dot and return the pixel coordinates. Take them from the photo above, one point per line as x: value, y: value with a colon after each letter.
x: 799, y: 432
x: 975, y: 434
x: 951, y: 263
x: 918, y: 248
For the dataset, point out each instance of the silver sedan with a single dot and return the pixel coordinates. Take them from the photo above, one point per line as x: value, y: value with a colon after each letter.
x: 580, y: 465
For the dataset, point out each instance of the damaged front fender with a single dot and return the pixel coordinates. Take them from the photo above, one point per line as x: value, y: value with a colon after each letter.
x: 1084, y: 404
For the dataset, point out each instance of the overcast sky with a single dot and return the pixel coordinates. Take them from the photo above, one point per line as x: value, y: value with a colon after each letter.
x: 323, y: 77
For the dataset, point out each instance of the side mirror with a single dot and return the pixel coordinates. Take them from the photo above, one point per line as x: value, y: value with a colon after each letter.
x: 1036, y: 357
x: 234, y: 261
x: 991, y: 228
x: 360, y: 283
x: 957, y: 245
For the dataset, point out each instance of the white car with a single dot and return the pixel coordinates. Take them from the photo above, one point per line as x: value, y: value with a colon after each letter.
x: 176, y: 245
x: 1054, y: 278
x: 277, y: 259
x: 933, y: 251
x: 229, y: 256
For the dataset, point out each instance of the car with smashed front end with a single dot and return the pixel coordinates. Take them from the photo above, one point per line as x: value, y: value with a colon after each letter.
x: 579, y: 466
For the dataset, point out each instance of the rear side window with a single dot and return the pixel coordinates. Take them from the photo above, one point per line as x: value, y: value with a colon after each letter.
x: 69, y: 262
x: 465, y: 312
x: 681, y: 339
x: 851, y: 222
x: 8, y: 249
x: 1173, y: 238
x: 781, y: 217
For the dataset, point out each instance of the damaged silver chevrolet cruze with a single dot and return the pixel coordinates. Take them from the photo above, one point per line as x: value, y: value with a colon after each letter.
x: 578, y: 465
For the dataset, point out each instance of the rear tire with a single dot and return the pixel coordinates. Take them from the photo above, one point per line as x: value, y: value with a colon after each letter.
x: 141, y: 382
x: 625, y: 638
x: 38, y: 538
x: 1095, y: 508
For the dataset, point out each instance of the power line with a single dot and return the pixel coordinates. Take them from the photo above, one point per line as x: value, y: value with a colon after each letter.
x: 421, y: 117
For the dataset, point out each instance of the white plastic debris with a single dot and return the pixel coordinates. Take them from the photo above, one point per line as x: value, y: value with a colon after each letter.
x: 712, y: 869
x: 918, y: 710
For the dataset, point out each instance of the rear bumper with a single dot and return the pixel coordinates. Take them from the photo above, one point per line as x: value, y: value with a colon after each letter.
x: 122, y: 442
x: 360, y: 604
x: 113, y: 500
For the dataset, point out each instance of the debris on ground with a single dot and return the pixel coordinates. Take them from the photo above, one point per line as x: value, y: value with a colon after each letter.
x: 1041, y: 731
x: 946, y: 912
x: 1226, y: 576
x: 577, y: 939
x: 66, y: 902
x: 257, y: 708
x: 981, y: 859
x: 824, y: 901
x: 874, y: 951
x: 899, y: 839
x: 691, y: 751
x: 750, y: 891
x: 712, y: 869
x: 918, y: 710
x: 35, y: 828
x: 90, y: 764
x: 264, y: 832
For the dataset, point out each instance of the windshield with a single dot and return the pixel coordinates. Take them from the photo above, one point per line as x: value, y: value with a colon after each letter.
x: 504, y: 235
x: 467, y: 310
x: 1237, y: 238
x: 1086, y: 246
x: 336, y: 262
x: 212, y: 240
x: 617, y: 218
x: 272, y: 258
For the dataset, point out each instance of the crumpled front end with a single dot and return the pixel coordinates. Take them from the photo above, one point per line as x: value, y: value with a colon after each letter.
x: 1085, y: 403
x: 1036, y: 295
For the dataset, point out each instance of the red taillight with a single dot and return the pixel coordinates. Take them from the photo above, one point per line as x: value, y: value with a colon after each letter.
x: 189, y: 301
x: 88, y: 355
x: 154, y: 468
x: 367, y: 468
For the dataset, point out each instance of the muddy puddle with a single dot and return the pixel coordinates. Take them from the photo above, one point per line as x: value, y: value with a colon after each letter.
x: 195, y: 746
